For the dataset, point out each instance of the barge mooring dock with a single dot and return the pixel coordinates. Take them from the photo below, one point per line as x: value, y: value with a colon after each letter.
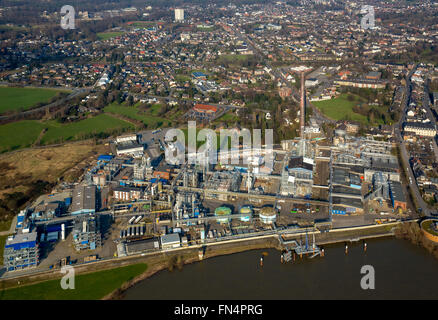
x: 299, y: 248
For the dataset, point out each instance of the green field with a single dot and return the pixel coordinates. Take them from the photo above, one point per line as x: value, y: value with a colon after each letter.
x: 341, y: 108
x: 92, y: 286
x: 108, y: 35
x: 228, y: 117
x: 17, y: 135
x: 235, y: 57
x: 182, y: 78
x: 148, y: 117
x: 203, y: 28
x: 200, y: 143
x: 29, y: 131
x: 101, y: 123
x: 23, y: 98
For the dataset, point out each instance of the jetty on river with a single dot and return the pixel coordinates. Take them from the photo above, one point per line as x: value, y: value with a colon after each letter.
x: 300, y: 248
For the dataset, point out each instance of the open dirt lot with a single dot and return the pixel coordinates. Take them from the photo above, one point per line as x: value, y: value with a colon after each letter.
x: 32, y: 171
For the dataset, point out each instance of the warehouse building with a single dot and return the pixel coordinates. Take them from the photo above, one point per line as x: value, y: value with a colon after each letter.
x: 84, y: 200
x: 133, y: 148
x: 21, y: 252
x: 135, y: 247
x: 127, y: 138
x: 170, y: 241
x: 398, y: 198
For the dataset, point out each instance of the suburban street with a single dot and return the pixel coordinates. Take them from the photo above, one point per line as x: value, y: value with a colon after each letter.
x: 398, y: 128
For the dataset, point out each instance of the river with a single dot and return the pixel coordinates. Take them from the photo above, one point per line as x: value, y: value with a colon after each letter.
x: 402, y: 271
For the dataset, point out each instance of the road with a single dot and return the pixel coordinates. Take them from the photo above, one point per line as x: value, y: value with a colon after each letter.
x: 398, y: 127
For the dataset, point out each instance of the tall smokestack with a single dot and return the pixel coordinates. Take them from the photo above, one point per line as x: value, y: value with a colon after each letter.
x: 302, y: 106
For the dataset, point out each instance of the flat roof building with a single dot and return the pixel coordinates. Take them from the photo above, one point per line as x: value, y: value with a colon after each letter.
x: 129, y: 148
x: 84, y: 199
x: 398, y: 198
x: 170, y: 241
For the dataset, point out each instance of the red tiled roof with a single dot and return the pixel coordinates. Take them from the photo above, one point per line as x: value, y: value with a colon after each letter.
x: 205, y: 108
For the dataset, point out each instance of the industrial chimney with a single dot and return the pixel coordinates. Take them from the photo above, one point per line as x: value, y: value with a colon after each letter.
x: 302, y: 106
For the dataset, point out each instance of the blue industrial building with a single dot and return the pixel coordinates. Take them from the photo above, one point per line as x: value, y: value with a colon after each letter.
x: 21, y: 252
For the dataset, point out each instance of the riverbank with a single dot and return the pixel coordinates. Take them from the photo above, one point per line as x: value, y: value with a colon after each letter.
x: 178, y: 258
x: 335, y: 276
x: 412, y: 232
x: 178, y: 261
x: 91, y: 286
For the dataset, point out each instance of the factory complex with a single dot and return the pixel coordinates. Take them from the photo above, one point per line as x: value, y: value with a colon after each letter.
x: 132, y: 201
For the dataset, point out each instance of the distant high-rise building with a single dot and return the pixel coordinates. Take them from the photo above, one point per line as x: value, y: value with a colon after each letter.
x: 179, y: 14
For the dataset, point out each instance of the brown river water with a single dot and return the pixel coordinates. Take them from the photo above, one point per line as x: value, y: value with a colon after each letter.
x: 402, y: 271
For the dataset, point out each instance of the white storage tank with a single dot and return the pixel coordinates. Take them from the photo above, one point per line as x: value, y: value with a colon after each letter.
x: 268, y: 215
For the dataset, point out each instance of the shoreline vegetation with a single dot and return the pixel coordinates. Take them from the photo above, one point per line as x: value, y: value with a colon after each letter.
x: 90, y: 286
x: 412, y: 232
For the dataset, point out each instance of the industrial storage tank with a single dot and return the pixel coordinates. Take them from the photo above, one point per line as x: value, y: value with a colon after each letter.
x: 268, y: 215
x: 245, y: 210
x: 222, y: 212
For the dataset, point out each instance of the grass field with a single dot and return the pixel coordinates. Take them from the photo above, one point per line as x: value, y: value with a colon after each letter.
x: 78, y: 130
x: 235, y: 57
x: 23, y: 98
x: 206, y: 29
x: 148, y: 117
x: 108, y: 35
x: 17, y: 135
x: 228, y: 117
x: 200, y: 143
x: 341, y: 108
x: 92, y: 286
x: 182, y: 78
x: 29, y: 131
